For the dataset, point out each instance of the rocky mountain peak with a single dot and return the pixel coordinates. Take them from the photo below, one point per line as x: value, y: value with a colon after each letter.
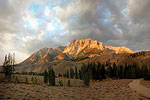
x: 76, y: 46
x: 119, y: 50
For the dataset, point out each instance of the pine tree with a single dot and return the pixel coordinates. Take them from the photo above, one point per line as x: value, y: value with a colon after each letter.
x: 109, y: 71
x: 126, y: 71
x: 8, y: 66
x: 121, y: 72
x: 67, y: 74
x: 84, y: 70
x: 80, y: 75
x: 98, y: 73
x: 103, y: 72
x: 132, y: 71
x: 64, y: 75
x: 87, y: 79
x: 76, y: 73
x: 146, y: 72
x: 85, y: 74
x: 89, y: 70
x: 51, y: 77
x: 45, y: 77
x: 71, y: 73
x: 115, y: 71
x: 93, y: 71
x: 69, y: 83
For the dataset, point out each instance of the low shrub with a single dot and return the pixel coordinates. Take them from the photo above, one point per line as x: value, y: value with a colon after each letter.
x: 60, y: 83
x: 69, y: 83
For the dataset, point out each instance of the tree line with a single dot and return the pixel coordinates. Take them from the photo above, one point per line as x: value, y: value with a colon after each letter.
x: 93, y: 71
x: 87, y: 72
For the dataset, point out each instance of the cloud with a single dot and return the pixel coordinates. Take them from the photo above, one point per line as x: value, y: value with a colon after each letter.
x: 139, y: 29
x: 29, y: 25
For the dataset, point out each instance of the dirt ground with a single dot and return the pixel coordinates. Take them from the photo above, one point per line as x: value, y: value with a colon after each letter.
x: 145, y: 83
x: 105, y: 90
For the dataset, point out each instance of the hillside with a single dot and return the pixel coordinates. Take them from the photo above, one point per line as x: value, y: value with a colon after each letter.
x: 76, y: 53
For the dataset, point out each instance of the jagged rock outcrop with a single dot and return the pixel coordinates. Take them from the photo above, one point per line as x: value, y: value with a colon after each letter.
x: 77, y: 51
x: 119, y: 50
x: 84, y: 48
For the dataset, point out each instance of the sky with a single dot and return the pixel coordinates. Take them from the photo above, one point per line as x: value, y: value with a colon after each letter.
x: 29, y: 25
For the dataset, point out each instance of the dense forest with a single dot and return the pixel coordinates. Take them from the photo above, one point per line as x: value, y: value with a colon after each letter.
x: 93, y: 71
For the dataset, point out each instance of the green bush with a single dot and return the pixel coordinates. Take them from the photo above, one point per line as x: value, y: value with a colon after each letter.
x: 69, y: 83
x: 35, y: 80
x: 17, y: 80
x: 60, y: 83
x: 26, y: 81
x: 32, y: 79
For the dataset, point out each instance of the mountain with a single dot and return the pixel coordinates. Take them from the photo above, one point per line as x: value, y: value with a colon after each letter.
x: 79, y: 49
x: 44, y: 54
x: 35, y: 57
x: 84, y: 48
x: 39, y: 59
x: 76, y: 53
x: 119, y: 50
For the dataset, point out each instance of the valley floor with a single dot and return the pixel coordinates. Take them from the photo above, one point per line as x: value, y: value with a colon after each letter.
x: 105, y: 90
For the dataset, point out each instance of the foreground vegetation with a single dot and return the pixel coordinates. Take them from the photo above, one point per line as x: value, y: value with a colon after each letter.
x: 91, y: 71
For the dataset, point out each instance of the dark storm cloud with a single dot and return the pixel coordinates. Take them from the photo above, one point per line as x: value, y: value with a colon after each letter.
x: 89, y: 15
x: 117, y: 23
x: 139, y: 27
x: 139, y: 11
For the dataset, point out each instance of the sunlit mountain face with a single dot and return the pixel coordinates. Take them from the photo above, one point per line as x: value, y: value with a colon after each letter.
x: 29, y: 25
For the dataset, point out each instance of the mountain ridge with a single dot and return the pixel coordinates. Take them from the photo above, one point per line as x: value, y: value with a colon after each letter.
x: 76, y: 52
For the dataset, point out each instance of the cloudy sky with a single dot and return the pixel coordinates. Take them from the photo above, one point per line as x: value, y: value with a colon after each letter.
x: 29, y: 25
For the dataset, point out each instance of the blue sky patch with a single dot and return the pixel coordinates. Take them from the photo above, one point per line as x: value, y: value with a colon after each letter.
x: 40, y: 21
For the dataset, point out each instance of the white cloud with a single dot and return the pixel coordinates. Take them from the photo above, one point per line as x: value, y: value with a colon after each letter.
x: 25, y: 32
x: 30, y: 21
x: 47, y: 11
x: 41, y: 34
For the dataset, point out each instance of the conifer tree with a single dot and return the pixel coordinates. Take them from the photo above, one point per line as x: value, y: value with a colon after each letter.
x: 109, y: 71
x: 71, y: 73
x: 51, y: 77
x: 87, y: 79
x: 114, y: 70
x: 93, y: 71
x: 85, y: 74
x: 76, y: 73
x: 98, y: 72
x: 80, y: 75
x: 126, y: 71
x: 8, y: 66
x: 103, y: 72
x: 69, y: 83
x: 146, y: 73
x: 45, y: 77
x: 67, y: 74
x: 121, y: 72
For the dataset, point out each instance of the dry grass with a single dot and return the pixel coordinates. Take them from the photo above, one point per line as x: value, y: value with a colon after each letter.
x: 105, y: 90
x: 145, y: 83
x: 2, y: 77
x: 40, y: 80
